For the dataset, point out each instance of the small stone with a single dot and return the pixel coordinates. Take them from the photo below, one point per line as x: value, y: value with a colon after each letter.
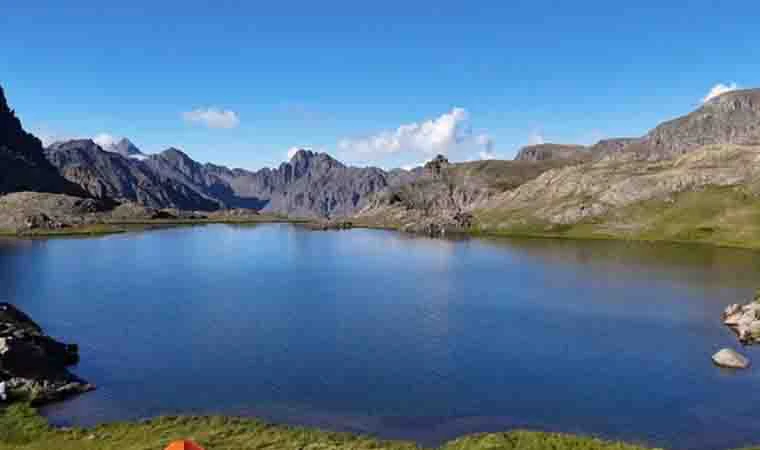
x: 730, y: 359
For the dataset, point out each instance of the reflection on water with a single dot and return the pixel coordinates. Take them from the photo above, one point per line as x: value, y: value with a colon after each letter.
x: 398, y: 336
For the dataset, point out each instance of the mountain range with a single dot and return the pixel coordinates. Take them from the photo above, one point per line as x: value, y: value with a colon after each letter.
x: 547, y: 185
x: 309, y: 185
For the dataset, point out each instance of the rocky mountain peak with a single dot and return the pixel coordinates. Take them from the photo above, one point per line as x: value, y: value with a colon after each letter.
x: 731, y: 118
x: 175, y: 154
x: 739, y: 99
x: 124, y: 147
x: 85, y: 144
x: 4, y: 108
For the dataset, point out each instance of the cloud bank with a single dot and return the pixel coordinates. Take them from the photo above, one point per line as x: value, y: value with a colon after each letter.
x: 105, y: 140
x: 719, y: 89
x: 449, y: 134
x: 212, y: 117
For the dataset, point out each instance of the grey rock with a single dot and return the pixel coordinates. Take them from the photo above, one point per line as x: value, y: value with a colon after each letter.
x: 33, y: 364
x: 731, y: 118
x: 730, y: 359
x: 543, y: 152
x: 22, y: 212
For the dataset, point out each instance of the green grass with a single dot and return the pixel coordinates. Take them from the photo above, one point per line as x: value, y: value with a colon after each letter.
x: 721, y: 216
x: 21, y: 428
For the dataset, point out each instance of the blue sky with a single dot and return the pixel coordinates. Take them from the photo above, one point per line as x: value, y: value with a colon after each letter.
x: 385, y: 83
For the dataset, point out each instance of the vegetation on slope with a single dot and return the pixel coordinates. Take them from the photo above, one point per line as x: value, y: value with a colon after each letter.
x: 21, y: 428
x: 717, y: 215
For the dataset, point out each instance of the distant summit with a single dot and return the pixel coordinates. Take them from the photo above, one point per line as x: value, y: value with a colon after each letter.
x: 124, y: 147
x: 730, y: 118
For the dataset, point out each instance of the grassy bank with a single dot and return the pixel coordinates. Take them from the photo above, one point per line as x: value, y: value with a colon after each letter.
x: 720, y: 216
x: 23, y: 429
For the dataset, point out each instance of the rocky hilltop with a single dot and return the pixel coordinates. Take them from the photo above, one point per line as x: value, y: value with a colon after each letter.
x: 22, y: 163
x: 34, y: 365
x: 731, y: 118
x: 542, y: 152
x: 444, y: 195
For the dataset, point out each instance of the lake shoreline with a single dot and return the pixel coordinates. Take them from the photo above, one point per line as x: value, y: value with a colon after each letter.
x: 120, y: 227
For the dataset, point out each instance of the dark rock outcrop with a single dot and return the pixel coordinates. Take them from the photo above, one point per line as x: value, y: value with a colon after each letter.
x: 33, y: 365
x: 23, y: 166
x: 311, y: 185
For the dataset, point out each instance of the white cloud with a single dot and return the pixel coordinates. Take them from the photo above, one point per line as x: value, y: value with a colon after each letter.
x: 105, y: 140
x: 449, y: 134
x: 536, y: 138
x: 487, y: 155
x: 47, y: 139
x: 719, y: 89
x: 213, y: 117
x: 412, y: 166
x: 293, y: 150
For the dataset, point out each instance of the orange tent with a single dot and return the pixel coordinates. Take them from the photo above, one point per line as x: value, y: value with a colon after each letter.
x: 184, y: 445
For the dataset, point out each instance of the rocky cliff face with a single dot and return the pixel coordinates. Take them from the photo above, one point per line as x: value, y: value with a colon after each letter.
x: 314, y: 184
x: 543, y: 152
x: 125, y: 179
x: 23, y: 166
x: 732, y: 118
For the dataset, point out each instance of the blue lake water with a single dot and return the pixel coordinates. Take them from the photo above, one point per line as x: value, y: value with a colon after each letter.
x: 397, y: 336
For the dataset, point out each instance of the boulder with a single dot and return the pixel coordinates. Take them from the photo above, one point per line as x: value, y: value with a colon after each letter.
x: 33, y: 364
x: 744, y: 320
x: 730, y: 359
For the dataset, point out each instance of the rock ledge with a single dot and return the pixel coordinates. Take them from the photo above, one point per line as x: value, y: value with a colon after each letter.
x: 34, y: 365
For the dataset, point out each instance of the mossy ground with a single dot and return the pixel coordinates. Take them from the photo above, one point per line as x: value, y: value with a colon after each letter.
x: 722, y: 216
x: 22, y: 428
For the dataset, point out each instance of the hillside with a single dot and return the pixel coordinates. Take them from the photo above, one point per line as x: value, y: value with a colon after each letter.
x: 692, y: 178
x: 444, y: 194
